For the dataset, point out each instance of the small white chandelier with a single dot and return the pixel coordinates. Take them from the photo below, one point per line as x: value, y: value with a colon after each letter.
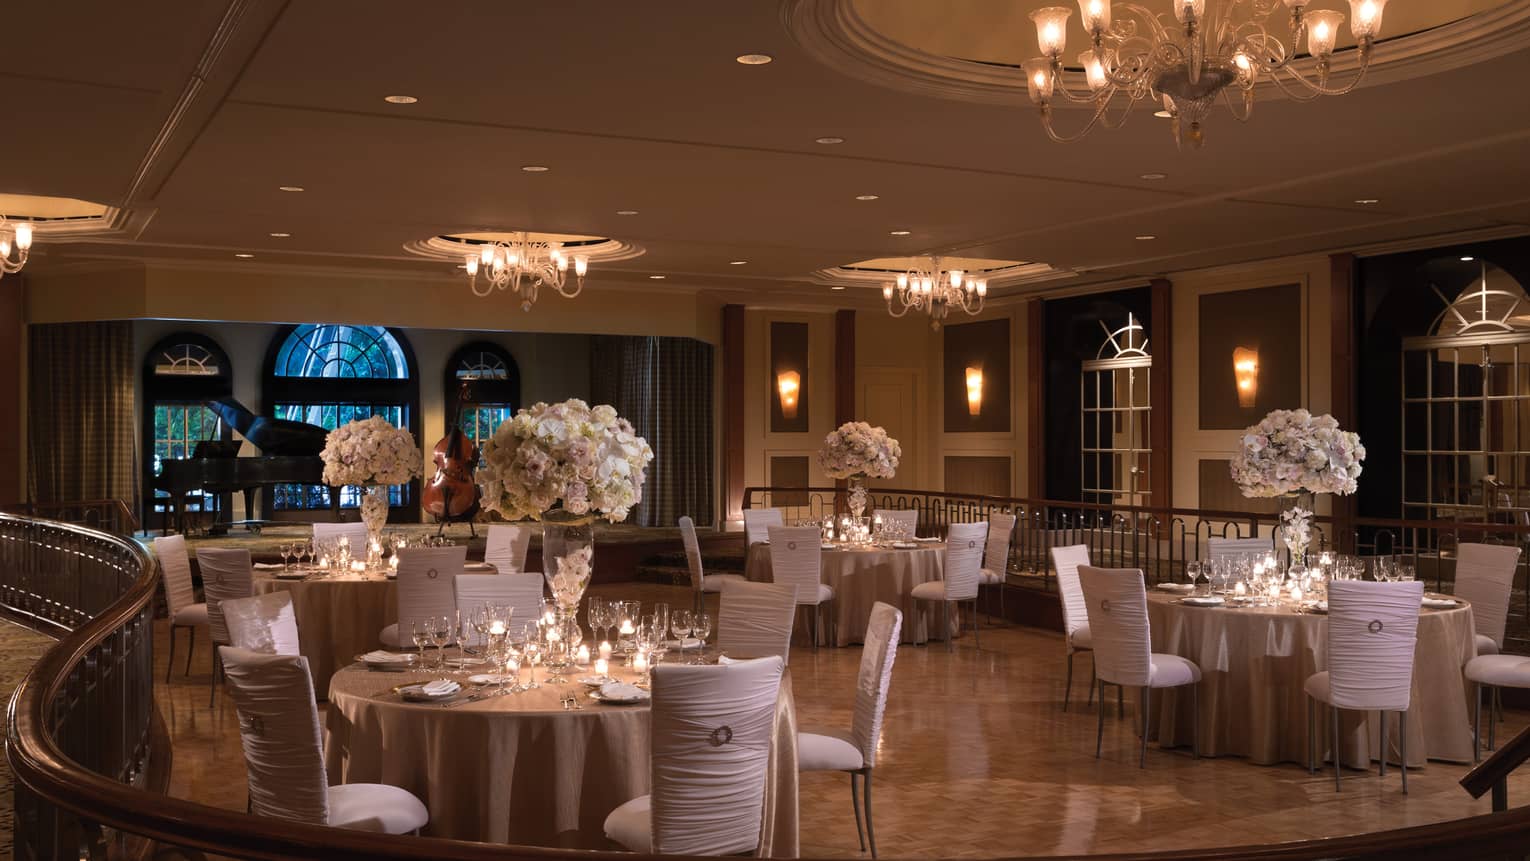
x: 929, y: 288
x: 524, y: 266
x: 1187, y: 61
x: 18, y: 235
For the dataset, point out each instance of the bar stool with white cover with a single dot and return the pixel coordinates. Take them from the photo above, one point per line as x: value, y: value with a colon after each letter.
x: 855, y: 750
x: 1238, y: 546
x: 1372, y: 633
x: 757, y: 523
x: 796, y: 560
x: 262, y: 623
x: 995, y: 569
x: 427, y: 578
x: 355, y: 536
x: 710, y: 736
x: 909, y: 517
x: 180, y: 596
x: 1076, y: 634
x: 701, y: 582
x: 521, y: 592
x: 284, y: 752
x: 754, y: 620
x: 227, y: 575
x: 965, y: 543
x: 506, y: 546
x: 1116, y: 600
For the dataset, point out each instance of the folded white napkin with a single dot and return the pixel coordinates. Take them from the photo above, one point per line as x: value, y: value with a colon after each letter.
x: 381, y: 657
x: 440, y: 688
x: 621, y: 691
x: 1439, y: 603
x: 268, y: 566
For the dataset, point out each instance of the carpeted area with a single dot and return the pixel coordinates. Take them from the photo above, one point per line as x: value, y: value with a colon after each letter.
x: 19, y: 650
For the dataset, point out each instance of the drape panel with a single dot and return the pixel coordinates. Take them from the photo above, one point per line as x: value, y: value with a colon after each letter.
x: 81, y: 441
x: 664, y: 387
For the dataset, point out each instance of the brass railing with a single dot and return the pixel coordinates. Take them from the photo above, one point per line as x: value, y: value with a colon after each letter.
x: 107, y: 515
x: 80, y: 726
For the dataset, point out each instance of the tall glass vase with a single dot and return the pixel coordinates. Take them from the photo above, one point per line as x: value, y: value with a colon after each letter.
x: 856, y: 498
x: 374, y: 513
x: 1296, y: 529
x: 568, y: 559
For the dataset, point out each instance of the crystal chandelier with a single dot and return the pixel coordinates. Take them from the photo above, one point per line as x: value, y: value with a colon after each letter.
x: 1191, y: 58
x: 935, y: 291
x: 524, y: 266
x: 18, y: 235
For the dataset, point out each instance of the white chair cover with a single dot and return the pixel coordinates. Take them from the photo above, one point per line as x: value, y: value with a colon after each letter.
x: 279, y: 727
x: 226, y: 575
x: 506, y: 547
x: 757, y: 521
x: 1067, y: 561
x: 175, y: 568
x: 1116, y: 600
x: 427, y: 578
x: 521, y: 591
x: 1237, y: 546
x: 964, y: 559
x: 1372, y: 632
x: 1485, y: 577
x: 262, y: 623
x: 1001, y: 527
x: 754, y: 620
x: 875, y: 677
x: 692, y: 552
x: 355, y: 533
x: 796, y: 560
x: 712, y: 729
x: 909, y: 516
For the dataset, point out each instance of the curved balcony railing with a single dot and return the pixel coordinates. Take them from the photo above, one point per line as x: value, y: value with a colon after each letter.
x: 82, y: 726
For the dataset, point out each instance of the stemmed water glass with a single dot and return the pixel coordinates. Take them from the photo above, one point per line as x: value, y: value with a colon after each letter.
x: 701, y: 628
x: 531, y: 653
x: 285, y: 549
x: 680, y: 625
x: 660, y: 619
x: 1193, y: 574
x: 420, y: 633
x: 596, y: 614
x: 441, y: 635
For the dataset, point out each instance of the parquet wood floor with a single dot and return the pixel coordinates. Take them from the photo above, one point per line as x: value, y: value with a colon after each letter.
x: 978, y: 760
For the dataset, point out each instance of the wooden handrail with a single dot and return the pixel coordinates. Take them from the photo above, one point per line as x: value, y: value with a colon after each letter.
x: 1493, y: 773
x: 120, y: 509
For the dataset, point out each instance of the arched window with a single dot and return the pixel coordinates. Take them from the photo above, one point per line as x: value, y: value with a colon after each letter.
x: 494, y: 387
x: 181, y: 373
x: 328, y: 374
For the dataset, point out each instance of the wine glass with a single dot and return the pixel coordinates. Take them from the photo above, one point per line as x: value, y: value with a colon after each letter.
x: 441, y: 635
x: 1193, y: 573
x: 701, y: 628
x: 531, y: 653
x: 596, y: 615
x: 420, y: 633
x: 285, y: 550
x: 680, y: 625
x: 661, y: 618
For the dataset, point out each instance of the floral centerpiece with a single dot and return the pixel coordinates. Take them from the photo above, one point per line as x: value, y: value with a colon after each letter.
x: 857, y: 451
x: 1292, y: 453
x: 371, y: 454
x: 564, y: 464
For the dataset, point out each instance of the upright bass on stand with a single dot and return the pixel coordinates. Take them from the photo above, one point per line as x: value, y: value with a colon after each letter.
x: 451, y: 495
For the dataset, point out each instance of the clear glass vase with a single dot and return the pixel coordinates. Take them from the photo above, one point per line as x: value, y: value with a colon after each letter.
x: 856, y: 498
x: 568, y: 559
x: 374, y: 513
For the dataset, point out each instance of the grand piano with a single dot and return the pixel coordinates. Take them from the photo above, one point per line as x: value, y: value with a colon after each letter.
x: 289, y: 455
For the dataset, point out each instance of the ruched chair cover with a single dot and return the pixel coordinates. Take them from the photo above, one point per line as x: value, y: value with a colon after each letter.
x: 796, y: 560
x: 754, y: 620
x: 965, y: 545
x: 710, y: 736
x: 355, y: 534
x: 1485, y: 579
x: 700, y: 581
x: 1116, y: 601
x: 523, y: 592
x: 284, y: 752
x: 262, y: 623
x: 757, y: 523
x: 226, y: 575
x: 1372, y: 633
x: 1001, y: 529
x: 855, y: 750
x: 180, y: 595
x: 907, y: 516
x: 1066, y: 561
x: 427, y: 578
x: 1238, y: 546
x: 506, y: 547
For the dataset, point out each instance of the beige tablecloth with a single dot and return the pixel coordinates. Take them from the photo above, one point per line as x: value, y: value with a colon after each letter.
x: 337, y: 619
x: 1255, y: 662
x: 860, y: 578
x: 518, y: 768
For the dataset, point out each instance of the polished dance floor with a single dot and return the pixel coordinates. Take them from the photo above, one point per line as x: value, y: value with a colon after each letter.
x: 979, y: 760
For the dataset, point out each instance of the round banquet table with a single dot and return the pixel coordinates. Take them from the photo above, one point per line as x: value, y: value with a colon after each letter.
x: 519, y: 768
x: 1254, y: 661
x: 860, y: 577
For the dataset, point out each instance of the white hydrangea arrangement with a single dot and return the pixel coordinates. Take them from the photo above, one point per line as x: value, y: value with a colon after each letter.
x: 569, y: 457
x: 1293, y: 451
x: 856, y: 449
x: 370, y: 452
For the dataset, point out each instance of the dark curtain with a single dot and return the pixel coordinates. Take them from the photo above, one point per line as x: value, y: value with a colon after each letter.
x: 664, y: 387
x: 80, y: 433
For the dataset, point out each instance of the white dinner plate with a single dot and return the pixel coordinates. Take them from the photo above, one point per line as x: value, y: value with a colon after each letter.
x: 416, y: 693
x: 1441, y: 603
x: 390, y: 666
x: 905, y: 545
x: 595, y: 681
x: 1203, y: 601
x: 1175, y: 587
x: 600, y: 698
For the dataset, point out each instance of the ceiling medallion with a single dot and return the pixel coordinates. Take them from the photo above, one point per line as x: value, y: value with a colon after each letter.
x: 524, y: 266
x: 17, y: 235
x: 929, y: 288
x: 1191, y: 59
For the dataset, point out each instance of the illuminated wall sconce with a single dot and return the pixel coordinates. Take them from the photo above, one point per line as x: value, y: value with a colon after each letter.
x: 1246, y: 372
x: 974, y: 390
x: 789, y: 384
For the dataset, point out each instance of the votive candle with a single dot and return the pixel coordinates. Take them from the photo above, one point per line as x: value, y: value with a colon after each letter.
x: 582, y: 657
x: 605, y: 650
x: 358, y: 566
x: 640, y: 662
x: 602, y: 667
x: 626, y: 627
x: 1240, y: 589
x: 496, y: 627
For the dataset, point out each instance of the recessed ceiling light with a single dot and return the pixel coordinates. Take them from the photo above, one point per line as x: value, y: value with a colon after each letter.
x: 626, y: 212
x: 829, y: 140
x: 897, y: 232
x: 1467, y: 259
x: 754, y: 59
x: 535, y: 168
x: 837, y: 287
x: 1146, y: 237
x: 1367, y: 201
x: 737, y: 262
x: 289, y: 188
x: 656, y: 277
x: 866, y: 197
x: 246, y: 256
x: 1154, y: 176
x: 280, y: 235
x: 400, y: 100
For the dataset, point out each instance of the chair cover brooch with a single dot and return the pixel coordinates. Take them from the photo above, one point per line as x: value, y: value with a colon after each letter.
x: 1375, y: 626
x: 432, y: 574
x: 721, y: 736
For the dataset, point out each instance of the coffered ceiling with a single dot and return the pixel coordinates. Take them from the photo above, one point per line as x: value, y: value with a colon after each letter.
x: 195, y: 113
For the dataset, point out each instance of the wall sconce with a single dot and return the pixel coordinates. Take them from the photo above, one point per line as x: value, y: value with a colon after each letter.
x: 974, y: 390
x: 789, y: 384
x: 1246, y: 372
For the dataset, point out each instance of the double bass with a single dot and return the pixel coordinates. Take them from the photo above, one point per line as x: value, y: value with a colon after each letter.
x: 451, y: 495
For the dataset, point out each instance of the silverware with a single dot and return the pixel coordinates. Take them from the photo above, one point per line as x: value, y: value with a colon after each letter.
x: 465, y: 700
